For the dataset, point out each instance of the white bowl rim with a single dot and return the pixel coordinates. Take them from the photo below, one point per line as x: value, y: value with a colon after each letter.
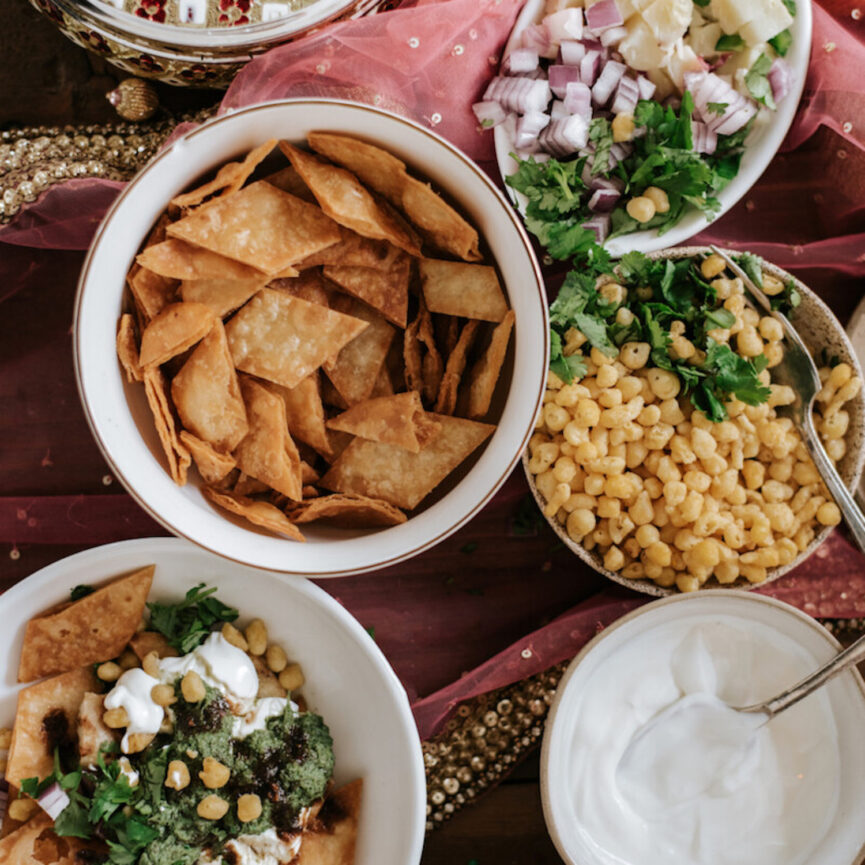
x: 644, y: 584
x: 507, y: 209
x: 693, y: 221
x: 415, y: 772
x: 570, y: 672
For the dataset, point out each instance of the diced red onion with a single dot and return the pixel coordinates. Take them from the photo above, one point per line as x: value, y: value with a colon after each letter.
x: 608, y: 80
x: 780, y: 78
x: 519, y: 94
x: 708, y: 87
x: 647, y: 88
x: 620, y: 151
x: 578, y: 99
x: 603, y: 15
x: 613, y: 36
x: 529, y: 127
x: 560, y: 77
x: 53, y: 800
x: 592, y: 44
x: 521, y: 60
x: 566, y: 136
x: 571, y: 52
x: 736, y: 117
x: 537, y: 38
x: 489, y: 114
x: 589, y: 66
x: 615, y: 183
x: 600, y: 225
x: 705, y: 140
x: 565, y: 24
x: 603, y: 200
x: 627, y: 95
x: 558, y: 111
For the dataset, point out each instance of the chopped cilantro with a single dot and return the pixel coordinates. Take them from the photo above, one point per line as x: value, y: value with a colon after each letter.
x: 79, y: 592
x: 718, y: 107
x: 702, y: 3
x: 790, y: 6
x: 527, y: 519
x: 730, y: 42
x: 601, y: 133
x: 753, y: 266
x: 371, y: 631
x: 781, y: 43
x: 187, y: 624
x: 720, y: 317
x: 788, y: 300
x: 757, y: 81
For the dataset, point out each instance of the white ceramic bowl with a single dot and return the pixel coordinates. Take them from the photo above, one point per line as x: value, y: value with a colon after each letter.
x: 844, y: 842
x: 348, y: 680
x: 118, y: 413
x: 760, y: 148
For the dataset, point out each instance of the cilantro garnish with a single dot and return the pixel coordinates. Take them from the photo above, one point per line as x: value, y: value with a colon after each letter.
x: 187, y: 624
x: 601, y: 133
x: 718, y: 107
x: 790, y: 6
x: 730, y: 42
x: 757, y: 81
x: 79, y: 592
x: 788, y: 300
x: 753, y: 266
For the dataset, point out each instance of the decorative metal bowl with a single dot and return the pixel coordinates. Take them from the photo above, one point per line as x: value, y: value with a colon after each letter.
x: 192, y: 43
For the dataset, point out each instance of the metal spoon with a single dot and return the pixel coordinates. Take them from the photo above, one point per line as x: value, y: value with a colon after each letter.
x: 797, y: 369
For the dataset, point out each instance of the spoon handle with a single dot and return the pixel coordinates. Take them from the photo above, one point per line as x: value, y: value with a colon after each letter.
x: 851, y: 655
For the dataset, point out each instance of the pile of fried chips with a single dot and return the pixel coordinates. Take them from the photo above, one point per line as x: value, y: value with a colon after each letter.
x: 324, y: 342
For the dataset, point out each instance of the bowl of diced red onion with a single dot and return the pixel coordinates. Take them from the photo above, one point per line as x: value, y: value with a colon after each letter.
x: 688, y: 100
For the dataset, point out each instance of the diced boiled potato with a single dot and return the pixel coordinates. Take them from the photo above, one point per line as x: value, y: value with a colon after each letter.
x: 704, y: 39
x: 738, y: 65
x: 682, y: 60
x: 664, y: 85
x: 557, y: 5
x: 732, y: 14
x: 772, y: 17
x: 668, y: 19
x: 640, y: 48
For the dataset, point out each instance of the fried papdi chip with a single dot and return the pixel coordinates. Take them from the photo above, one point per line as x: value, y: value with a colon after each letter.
x: 156, y: 391
x: 178, y: 327
x: 447, y: 398
x: 384, y: 290
x: 354, y: 250
x: 268, y: 452
x: 432, y: 366
x: 309, y: 286
x: 436, y: 220
x: 212, y: 465
x: 465, y: 290
x: 259, y: 513
x: 221, y: 295
x: 383, y: 384
x: 389, y: 472
x: 283, y: 339
x: 229, y: 178
x: 127, y: 348
x: 92, y: 730
x: 304, y: 412
x: 331, y: 837
x: 247, y: 486
x: 353, y: 372
x: 207, y: 394
x: 288, y: 180
x: 413, y: 355
x: 260, y: 225
x: 485, y: 373
x: 45, y: 719
x: 346, y: 512
x: 398, y: 419
x: 343, y: 198
x: 151, y: 291
x: 178, y: 259
x: 93, y: 629
x: 145, y: 642
x: 36, y: 843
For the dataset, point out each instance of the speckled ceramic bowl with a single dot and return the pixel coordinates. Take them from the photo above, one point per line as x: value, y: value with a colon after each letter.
x: 820, y: 329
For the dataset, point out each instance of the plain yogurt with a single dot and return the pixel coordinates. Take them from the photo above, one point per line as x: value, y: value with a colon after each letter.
x: 706, y: 786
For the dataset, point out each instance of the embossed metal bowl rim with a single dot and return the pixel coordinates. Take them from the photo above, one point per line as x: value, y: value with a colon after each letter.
x: 110, y: 411
x: 168, y: 39
x: 850, y: 467
x: 716, y: 600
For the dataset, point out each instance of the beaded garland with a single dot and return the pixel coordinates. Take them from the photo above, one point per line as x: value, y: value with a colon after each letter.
x: 487, y: 736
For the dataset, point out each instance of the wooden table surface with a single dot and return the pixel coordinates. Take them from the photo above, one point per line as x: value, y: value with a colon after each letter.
x: 47, y: 80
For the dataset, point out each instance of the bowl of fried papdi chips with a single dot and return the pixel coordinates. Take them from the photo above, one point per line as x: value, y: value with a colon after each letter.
x: 311, y: 336
x: 159, y: 705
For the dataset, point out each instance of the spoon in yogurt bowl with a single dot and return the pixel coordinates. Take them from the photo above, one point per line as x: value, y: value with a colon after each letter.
x: 700, y: 744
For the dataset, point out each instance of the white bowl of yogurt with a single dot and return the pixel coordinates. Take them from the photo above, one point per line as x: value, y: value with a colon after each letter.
x: 796, y: 797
